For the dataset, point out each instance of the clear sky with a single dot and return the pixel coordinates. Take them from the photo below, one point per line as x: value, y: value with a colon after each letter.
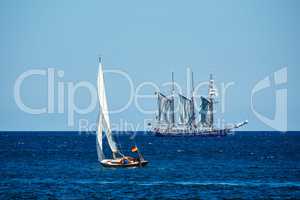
x: 237, y: 41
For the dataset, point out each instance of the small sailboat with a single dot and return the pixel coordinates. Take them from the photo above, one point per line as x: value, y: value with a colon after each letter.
x: 118, y: 159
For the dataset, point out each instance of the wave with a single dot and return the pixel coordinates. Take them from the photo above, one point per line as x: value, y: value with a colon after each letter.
x: 216, y: 183
x: 163, y: 183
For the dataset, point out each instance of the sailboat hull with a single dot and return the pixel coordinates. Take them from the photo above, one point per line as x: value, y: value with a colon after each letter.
x: 116, y: 163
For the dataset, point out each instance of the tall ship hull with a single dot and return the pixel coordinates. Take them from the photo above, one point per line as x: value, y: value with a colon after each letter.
x: 165, y: 123
x: 215, y: 132
x: 203, y: 133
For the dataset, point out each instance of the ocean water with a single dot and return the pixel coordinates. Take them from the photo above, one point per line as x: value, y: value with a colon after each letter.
x: 63, y: 165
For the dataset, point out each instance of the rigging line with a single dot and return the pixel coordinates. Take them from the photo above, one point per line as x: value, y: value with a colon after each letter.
x: 116, y: 137
x: 173, y: 82
x: 192, y: 84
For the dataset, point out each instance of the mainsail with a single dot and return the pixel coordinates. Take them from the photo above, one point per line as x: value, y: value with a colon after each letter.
x: 186, y: 107
x: 103, y: 123
x: 99, y: 140
x: 165, y: 109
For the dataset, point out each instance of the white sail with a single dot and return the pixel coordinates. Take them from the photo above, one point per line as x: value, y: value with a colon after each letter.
x: 186, y: 107
x: 165, y: 109
x: 204, y: 110
x: 99, y: 139
x: 104, y: 122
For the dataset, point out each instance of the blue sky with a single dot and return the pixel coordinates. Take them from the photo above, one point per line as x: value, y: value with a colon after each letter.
x: 237, y: 41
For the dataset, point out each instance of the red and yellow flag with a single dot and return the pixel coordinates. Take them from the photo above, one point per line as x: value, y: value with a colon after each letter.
x: 134, y: 149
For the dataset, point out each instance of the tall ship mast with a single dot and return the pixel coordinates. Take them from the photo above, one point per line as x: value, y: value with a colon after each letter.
x: 211, y: 94
x: 173, y: 102
x: 165, y: 123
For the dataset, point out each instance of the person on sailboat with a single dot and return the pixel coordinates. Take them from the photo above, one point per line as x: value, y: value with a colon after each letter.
x: 135, y: 149
x: 128, y: 159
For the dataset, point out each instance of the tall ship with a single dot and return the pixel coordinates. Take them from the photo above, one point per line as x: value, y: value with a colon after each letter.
x: 184, y: 120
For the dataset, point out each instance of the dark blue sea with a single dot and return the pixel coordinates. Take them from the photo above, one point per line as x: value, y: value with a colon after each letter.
x: 63, y: 165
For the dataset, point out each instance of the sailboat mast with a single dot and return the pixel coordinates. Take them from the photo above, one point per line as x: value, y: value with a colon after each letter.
x: 99, y: 133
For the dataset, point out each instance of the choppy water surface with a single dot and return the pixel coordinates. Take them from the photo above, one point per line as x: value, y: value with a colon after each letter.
x: 63, y: 165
